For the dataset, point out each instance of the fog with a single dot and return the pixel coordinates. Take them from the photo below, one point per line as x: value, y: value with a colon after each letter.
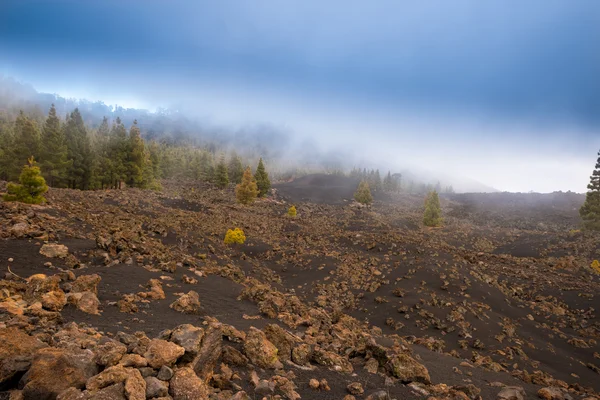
x: 480, y: 96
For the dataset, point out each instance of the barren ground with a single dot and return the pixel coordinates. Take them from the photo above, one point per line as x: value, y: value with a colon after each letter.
x: 501, y: 295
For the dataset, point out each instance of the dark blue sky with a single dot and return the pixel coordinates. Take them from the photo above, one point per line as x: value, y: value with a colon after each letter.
x: 506, y: 71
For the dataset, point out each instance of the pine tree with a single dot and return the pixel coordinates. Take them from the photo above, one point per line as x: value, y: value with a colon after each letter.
x: 377, y: 181
x: 207, y: 166
x: 79, y: 172
x: 363, y: 193
x: 6, y: 140
x: 235, y: 169
x: 388, y: 183
x: 247, y: 191
x: 26, y: 143
x: 54, y: 158
x: 136, y: 157
x: 433, y: 211
x: 221, y: 176
x: 119, y: 151
x: 262, y: 179
x: 32, y: 185
x: 104, y: 162
x: 590, y: 211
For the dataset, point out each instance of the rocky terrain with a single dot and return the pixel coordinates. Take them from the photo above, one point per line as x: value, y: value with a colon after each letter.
x: 132, y: 294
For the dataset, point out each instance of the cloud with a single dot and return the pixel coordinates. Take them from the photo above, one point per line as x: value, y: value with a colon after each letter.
x: 482, y: 89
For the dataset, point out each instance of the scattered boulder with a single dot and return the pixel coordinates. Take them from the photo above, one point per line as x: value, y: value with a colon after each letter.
x: 188, y: 303
x: 109, y: 352
x: 17, y: 350
x: 134, y: 385
x: 156, y: 388
x: 209, y: 353
x: 407, y: 369
x: 54, y: 300
x: 53, y: 250
x: 155, y: 290
x: 54, y: 370
x: 511, y: 393
x: 161, y: 352
x: 332, y: 360
x: 281, y: 339
x: 165, y: 373
x: 355, y: 388
x: 86, y: 283
x: 186, y: 385
x: 189, y: 337
x: 127, y: 304
x: 38, y: 285
x: 19, y: 230
x: 260, y: 350
x: 553, y: 393
x: 85, y: 301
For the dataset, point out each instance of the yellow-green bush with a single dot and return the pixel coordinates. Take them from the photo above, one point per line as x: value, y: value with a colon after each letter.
x: 234, y: 236
x: 596, y: 266
x: 292, y: 211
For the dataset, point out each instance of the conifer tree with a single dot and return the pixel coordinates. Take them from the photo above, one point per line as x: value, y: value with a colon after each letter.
x: 377, y: 181
x: 207, y: 166
x: 26, y: 143
x: 235, y: 169
x: 54, y: 158
x: 590, y: 211
x: 388, y: 183
x: 433, y: 211
x: 79, y: 172
x: 104, y: 162
x: 119, y: 151
x: 6, y: 139
x: 221, y: 176
x: 247, y: 191
x: 136, y: 157
x: 363, y: 193
x: 262, y: 179
x: 32, y: 185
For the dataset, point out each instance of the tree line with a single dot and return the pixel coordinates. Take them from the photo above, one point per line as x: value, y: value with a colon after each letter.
x: 72, y: 155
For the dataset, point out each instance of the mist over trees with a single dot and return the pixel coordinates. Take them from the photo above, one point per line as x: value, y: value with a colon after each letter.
x: 91, y: 145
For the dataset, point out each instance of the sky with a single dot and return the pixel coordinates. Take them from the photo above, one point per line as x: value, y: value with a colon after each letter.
x: 505, y: 92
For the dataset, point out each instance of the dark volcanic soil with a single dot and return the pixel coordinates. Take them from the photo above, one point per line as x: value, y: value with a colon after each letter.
x: 502, y: 294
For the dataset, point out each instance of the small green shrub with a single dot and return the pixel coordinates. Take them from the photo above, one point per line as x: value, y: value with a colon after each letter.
x: 363, y: 193
x: 234, y: 236
x: 433, y: 211
x: 32, y: 187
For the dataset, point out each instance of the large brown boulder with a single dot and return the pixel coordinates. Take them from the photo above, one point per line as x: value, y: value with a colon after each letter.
x: 85, y: 301
x: 407, y: 369
x: 209, y: 352
x: 185, y: 385
x: 54, y: 370
x: 53, y: 250
x: 281, y: 339
x: 86, y: 283
x: 40, y: 284
x: 155, y: 290
x: 332, y: 360
x: 135, y: 385
x: 54, y: 300
x: 260, y: 350
x: 160, y: 352
x: 109, y: 352
x: 188, y: 303
x: 16, y: 353
x: 189, y: 337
